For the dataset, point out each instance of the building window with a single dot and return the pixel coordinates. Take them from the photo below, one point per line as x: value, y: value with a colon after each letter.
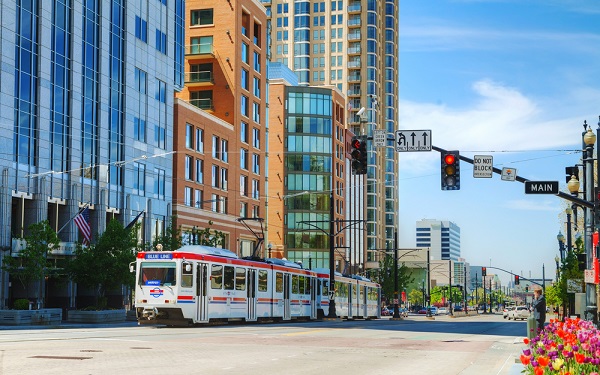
x: 256, y: 138
x: 244, y: 132
x: 201, y: 45
x: 224, y: 178
x: 243, y: 185
x: 200, y: 171
x: 188, y: 173
x: 161, y: 91
x: 141, y: 81
x: 141, y: 29
x: 160, y: 183
x: 255, y: 189
x: 202, y: 99
x: 256, y: 87
x: 255, y: 211
x: 244, y: 105
x: 245, y: 53
x: 187, y: 196
x: 244, y: 79
x: 256, y: 112
x: 256, y: 163
x: 189, y: 141
x: 215, y: 176
x: 257, y: 62
x: 199, y: 140
x: 139, y: 181
x: 224, y: 150
x: 243, y: 209
x: 257, y: 30
x: 198, y: 195
x: 216, y: 153
x: 201, y: 17
x: 139, y: 129
x: 161, y: 41
x: 244, y: 159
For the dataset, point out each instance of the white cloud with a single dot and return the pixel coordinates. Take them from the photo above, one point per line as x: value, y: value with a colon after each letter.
x: 500, y: 119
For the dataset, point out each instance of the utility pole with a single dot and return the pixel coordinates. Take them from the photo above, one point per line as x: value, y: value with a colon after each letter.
x: 331, y: 313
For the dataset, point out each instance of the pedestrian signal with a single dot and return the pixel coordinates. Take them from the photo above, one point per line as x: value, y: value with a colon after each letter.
x: 450, y: 170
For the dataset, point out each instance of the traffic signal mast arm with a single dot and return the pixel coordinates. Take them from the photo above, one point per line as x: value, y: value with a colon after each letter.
x: 569, y: 197
x: 520, y: 277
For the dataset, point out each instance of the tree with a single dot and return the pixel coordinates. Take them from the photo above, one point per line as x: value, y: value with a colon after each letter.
x: 207, y: 238
x: 385, y: 277
x: 32, y: 263
x: 105, y: 265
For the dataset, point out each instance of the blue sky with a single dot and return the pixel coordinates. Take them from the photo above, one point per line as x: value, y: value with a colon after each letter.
x: 511, y: 79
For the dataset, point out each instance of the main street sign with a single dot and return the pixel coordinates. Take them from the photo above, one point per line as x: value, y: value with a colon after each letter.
x: 541, y: 187
x: 483, y: 166
x: 413, y: 140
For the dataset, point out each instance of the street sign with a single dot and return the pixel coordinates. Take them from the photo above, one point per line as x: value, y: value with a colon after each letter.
x: 574, y: 286
x: 508, y: 174
x: 589, y: 276
x: 379, y: 137
x: 541, y: 187
x: 413, y: 140
x: 483, y: 166
x: 331, y: 294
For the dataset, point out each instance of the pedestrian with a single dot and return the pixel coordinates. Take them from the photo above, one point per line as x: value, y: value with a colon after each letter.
x: 539, y: 308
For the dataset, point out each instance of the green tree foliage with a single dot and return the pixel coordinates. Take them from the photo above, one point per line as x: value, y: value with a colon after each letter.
x: 569, y: 270
x: 32, y: 263
x: 415, y: 297
x: 207, y: 237
x: 385, y: 277
x: 105, y: 265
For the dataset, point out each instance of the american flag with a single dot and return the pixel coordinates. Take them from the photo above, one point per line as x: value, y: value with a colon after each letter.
x: 82, y: 220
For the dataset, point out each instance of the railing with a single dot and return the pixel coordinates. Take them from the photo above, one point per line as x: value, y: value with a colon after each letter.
x: 354, y: 63
x: 354, y: 7
x: 354, y: 21
x: 199, y: 49
x: 353, y: 50
x: 199, y: 77
x: 202, y: 103
x: 354, y: 36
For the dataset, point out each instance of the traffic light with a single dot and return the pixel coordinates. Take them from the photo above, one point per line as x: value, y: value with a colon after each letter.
x: 517, y: 280
x: 581, y: 261
x: 359, y: 155
x: 483, y: 271
x: 450, y: 170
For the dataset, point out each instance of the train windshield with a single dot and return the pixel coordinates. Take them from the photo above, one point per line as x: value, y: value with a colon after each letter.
x: 157, y: 274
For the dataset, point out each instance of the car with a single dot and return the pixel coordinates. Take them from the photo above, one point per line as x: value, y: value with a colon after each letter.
x: 443, y: 311
x: 518, y: 312
x: 422, y: 312
x: 404, y: 312
x: 433, y: 310
x: 505, y: 312
x: 458, y: 308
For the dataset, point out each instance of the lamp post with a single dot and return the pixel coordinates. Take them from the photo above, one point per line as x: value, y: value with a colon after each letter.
x: 589, y: 139
x: 561, y: 245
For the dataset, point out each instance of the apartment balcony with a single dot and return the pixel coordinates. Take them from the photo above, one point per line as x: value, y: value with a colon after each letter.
x: 354, y: 22
x: 354, y: 78
x: 195, y: 79
x: 354, y: 92
x: 354, y: 36
x: 354, y: 7
x: 354, y: 50
x: 354, y: 63
x: 199, y: 51
x: 205, y: 104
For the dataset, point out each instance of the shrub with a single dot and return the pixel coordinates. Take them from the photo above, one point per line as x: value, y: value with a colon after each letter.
x: 21, y: 304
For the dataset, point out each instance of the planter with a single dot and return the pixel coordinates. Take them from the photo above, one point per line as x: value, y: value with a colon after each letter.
x: 103, y: 316
x: 27, y: 317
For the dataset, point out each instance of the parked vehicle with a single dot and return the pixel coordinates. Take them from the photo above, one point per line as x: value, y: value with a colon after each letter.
x: 518, y: 312
x: 443, y: 311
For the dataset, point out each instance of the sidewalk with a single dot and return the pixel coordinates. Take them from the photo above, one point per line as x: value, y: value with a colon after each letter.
x: 67, y: 325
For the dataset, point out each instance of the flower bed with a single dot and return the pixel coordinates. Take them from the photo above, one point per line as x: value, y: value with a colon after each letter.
x: 101, y: 316
x: 571, y: 347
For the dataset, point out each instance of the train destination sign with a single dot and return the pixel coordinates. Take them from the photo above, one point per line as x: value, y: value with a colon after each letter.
x: 541, y: 187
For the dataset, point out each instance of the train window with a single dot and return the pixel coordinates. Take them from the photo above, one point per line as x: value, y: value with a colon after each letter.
x: 187, y: 272
x: 302, y: 285
x: 295, y: 284
x: 216, y: 276
x: 228, y: 281
x: 325, y: 290
x: 279, y: 282
x: 263, y: 280
x: 240, y: 278
x: 157, y: 273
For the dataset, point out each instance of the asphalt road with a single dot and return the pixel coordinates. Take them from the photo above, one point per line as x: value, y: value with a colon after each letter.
x: 416, y: 345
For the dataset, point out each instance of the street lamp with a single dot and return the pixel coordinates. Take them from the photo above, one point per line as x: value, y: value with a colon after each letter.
x: 561, y: 244
x: 589, y: 139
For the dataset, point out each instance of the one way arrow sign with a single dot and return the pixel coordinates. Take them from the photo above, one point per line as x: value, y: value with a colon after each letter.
x: 413, y: 140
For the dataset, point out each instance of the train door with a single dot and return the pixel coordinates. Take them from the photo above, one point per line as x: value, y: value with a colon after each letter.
x: 351, y: 290
x: 314, y: 288
x: 364, y: 292
x: 287, y: 285
x: 201, y: 292
x: 251, y: 295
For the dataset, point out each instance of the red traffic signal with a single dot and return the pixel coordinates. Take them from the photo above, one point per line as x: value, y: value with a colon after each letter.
x: 450, y: 171
x: 483, y: 271
x: 517, y: 280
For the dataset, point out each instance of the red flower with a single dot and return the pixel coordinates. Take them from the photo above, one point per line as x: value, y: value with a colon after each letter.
x: 543, y: 361
x: 526, y: 340
x: 580, y: 358
x: 525, y: 359
x: 538, y: 371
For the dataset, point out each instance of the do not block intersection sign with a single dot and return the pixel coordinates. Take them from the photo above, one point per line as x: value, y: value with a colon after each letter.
x: 483, y: 166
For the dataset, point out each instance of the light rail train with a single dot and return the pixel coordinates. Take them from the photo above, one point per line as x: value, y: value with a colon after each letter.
x: 199, y: 284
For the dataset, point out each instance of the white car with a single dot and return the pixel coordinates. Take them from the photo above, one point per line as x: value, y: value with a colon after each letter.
x: 518, y: 312
x: 442, y: 311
